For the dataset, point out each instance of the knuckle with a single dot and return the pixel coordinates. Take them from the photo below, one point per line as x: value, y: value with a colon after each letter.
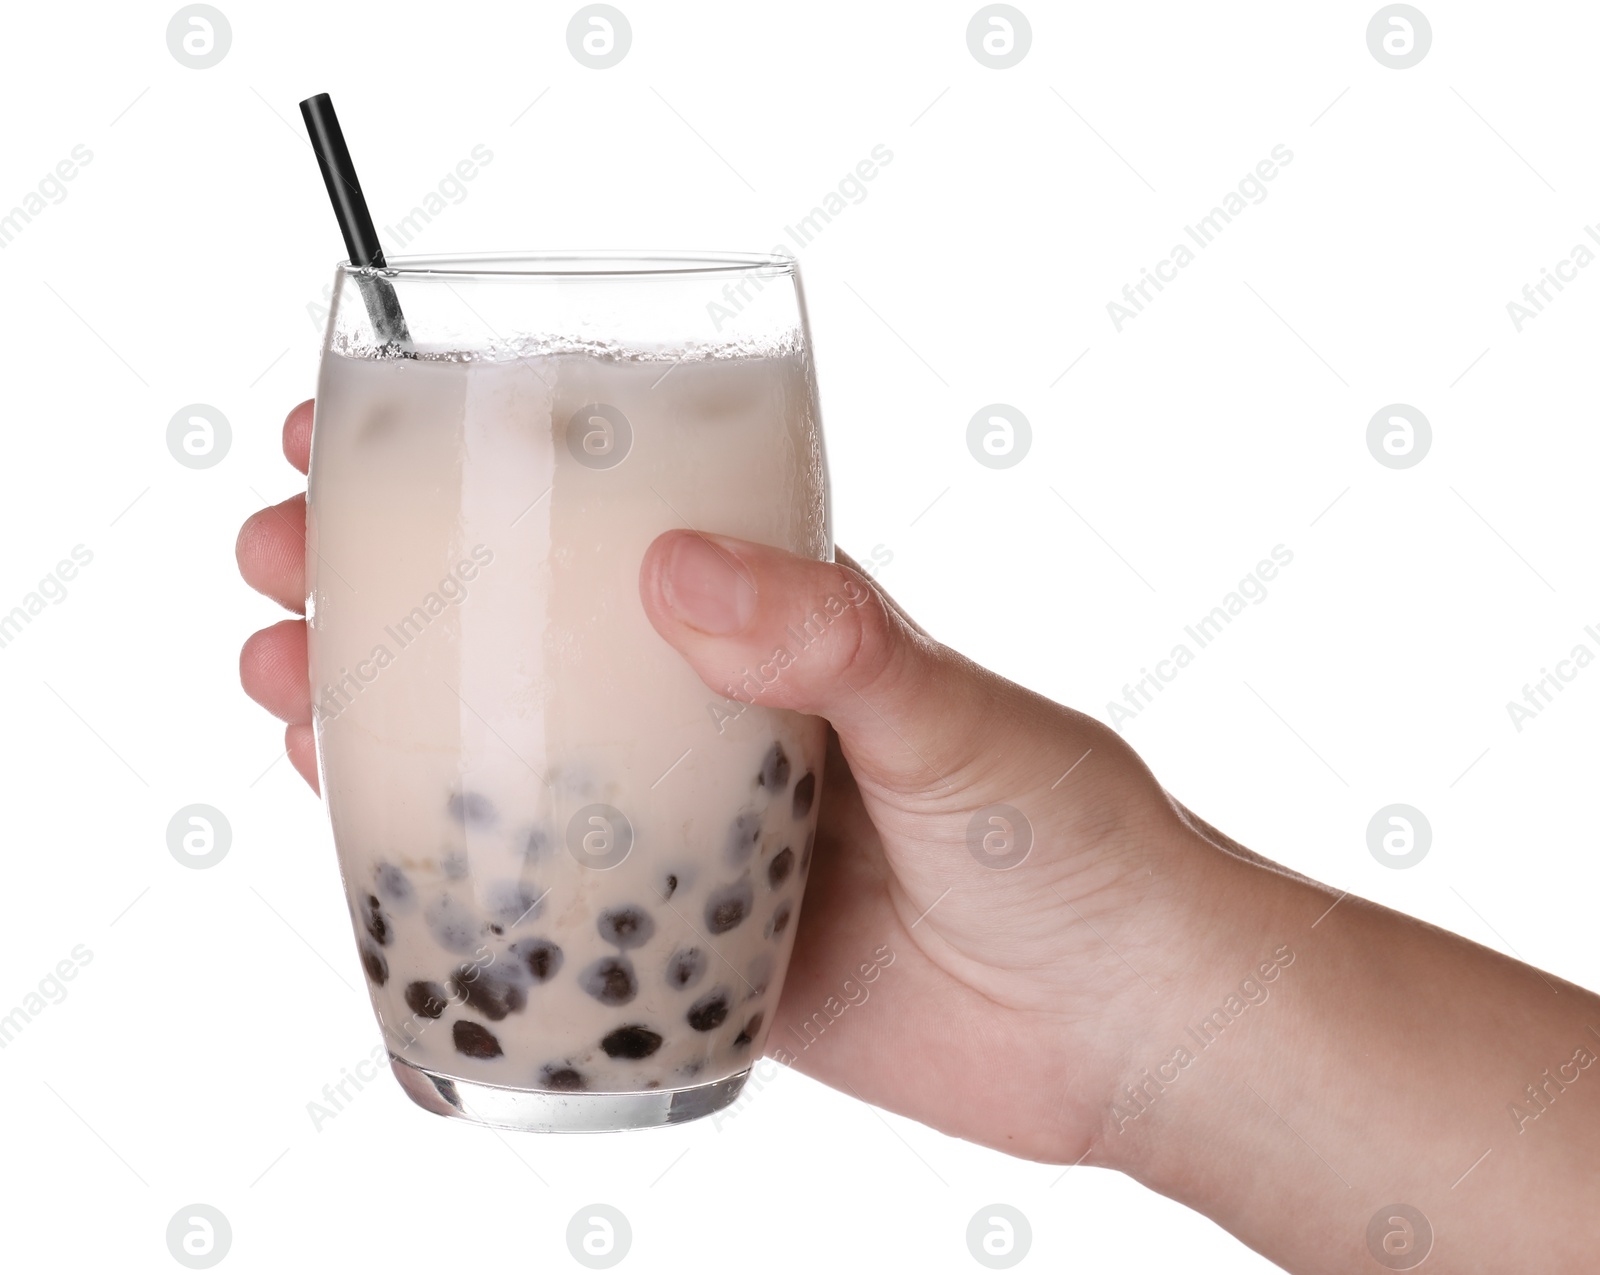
x: 862, y: 640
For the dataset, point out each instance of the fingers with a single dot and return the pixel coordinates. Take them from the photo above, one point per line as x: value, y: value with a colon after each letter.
x: 297, y: 436
x: 764, y: 626
x: 301, y: 746
x: 272, y: 667
x: 271, y: 550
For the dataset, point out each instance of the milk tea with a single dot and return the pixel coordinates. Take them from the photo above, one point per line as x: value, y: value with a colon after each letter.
x: 570, y: 865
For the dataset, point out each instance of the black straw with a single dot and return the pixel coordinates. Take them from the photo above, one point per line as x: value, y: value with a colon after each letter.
x: 355, y: 222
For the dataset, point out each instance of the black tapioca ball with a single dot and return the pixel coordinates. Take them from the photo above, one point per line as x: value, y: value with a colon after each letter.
x: 610, y: 980
x: 493, y: 990
x: 805, y: 792
x: 780, y: 920
x: 374, y: 921
x: 575, y: 780
x: 427, y: 1000
x: 475, y: 1040
x: 626, y: 927
x: 536, y: 843
x: 685, y: 967
x: 679, y: 881
x: 395, y: 887
x: 743, y: 836
x: 540, y: 957
x: 560, y: 1076
x: 632, y: 1041
x: 372, y: 960
x: 513, y: 902
x: 774, y: 769
x: 748, y: 1032
x: 456, y: 926
x: 781, y: 866
x: 472, y: 810
x: 728, y: 906
x: 708, y: 1013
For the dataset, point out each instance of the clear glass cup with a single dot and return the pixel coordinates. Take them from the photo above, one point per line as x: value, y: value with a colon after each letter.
x: 574, y: 872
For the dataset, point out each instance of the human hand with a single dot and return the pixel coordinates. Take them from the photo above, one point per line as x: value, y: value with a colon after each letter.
x: 1033, y: 1003
x: 1018, y: 991
x: 1015, y: 996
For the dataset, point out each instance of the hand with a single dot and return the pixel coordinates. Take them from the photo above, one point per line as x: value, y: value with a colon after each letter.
x: 1016, y: 994
x: 1041, y: 1008
x: 1013, y: 998
x: 1140, y: 992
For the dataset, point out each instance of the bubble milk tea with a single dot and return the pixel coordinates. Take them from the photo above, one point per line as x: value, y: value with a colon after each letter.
x: 571, y: 867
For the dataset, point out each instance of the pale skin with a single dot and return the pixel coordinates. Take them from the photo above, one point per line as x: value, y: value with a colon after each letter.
x: 1375, y: 1066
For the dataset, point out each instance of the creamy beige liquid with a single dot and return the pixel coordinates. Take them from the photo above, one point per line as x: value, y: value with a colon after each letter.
x: 484, y: 675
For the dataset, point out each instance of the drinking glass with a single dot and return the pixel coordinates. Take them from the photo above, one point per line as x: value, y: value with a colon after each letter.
x: 573, y: 872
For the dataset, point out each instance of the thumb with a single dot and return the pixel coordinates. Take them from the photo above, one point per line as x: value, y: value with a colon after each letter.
x: 763, y: 626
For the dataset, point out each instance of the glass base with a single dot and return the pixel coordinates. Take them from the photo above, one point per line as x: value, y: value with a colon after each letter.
x: 548, y: 1111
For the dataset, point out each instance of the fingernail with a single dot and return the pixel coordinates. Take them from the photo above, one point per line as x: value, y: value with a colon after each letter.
x: 707, y: 586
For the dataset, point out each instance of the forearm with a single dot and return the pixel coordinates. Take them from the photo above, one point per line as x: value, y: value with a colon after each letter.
x: 1384, y: 1062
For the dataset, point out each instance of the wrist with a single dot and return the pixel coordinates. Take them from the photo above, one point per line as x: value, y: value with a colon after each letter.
x: 1230, y: 947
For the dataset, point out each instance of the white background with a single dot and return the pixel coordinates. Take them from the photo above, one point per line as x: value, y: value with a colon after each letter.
x: 1228, y: 418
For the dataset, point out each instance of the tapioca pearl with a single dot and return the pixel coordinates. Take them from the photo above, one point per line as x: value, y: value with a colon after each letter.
x: 685, y: 967
x: 456, y: 925
x: 395, y: 888
x: 774, y: 776
x: 749, y: 1031
x: 472, y: 810
x: 610, y: 980
x: 475, y: 1040
x: 708, y: 1013
x: 540, y: 957
x: 781, y: 866
x: 574, y: 781
x: 372, y: 960
x: 779, y: 921
x: 805, y: 855
x: 805, y: 792
x: 678, y: 882
x: 427, y: 1000
x: 743, y: 836
x: 728, y: 906
x: 535, y: 843
x: 513, y: 903
x: 373, y: 920
x: 758, y: 974
x: 626, y: 927
x: 562, y: 1077
x: 493, y: 990
x: 632, y: 1041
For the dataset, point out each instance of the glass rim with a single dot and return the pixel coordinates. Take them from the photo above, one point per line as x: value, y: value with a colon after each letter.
x: 564, y: 263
